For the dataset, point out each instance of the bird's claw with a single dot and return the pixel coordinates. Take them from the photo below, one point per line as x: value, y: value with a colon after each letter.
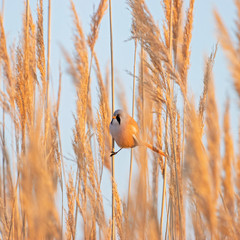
x: 113, y: 153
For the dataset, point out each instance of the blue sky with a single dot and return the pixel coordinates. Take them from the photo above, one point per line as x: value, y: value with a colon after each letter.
x: 203, y: 40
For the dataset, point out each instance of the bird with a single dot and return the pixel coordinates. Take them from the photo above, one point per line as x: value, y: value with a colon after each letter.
x: 125, y: 131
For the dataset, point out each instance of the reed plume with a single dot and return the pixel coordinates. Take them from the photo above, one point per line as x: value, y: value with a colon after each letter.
x: 197, y: 184
x: 231, y: 48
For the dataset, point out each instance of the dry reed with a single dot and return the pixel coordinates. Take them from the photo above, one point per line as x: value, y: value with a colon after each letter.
x: 201, y: 176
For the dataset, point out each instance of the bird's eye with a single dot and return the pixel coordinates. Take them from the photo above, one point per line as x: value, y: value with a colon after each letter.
x: 118, y: 118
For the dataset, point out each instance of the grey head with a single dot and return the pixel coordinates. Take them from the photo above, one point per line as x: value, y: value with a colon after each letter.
x: 118, y: 115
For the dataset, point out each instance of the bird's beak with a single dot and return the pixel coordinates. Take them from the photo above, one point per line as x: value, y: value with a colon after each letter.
x: 114, y: 117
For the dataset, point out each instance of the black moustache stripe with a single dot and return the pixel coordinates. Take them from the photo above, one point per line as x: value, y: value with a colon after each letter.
x: 118, y: 119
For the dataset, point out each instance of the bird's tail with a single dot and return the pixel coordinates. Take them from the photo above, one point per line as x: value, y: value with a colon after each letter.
x: 157, y: 150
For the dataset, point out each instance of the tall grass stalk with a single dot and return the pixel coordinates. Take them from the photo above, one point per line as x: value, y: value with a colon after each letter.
x: 172, y: 95
x: 48, y: 51
x: 3, y: 126
x: 2, y: 11
x: 163, y: 196
x: 25, y: 68
x: 63, y: 174
x: 168, y: 232
x: 23, y: 119
x: 133, y: 110
x: 3, y: 157
x: 113, y: 107
x: 142, y: 85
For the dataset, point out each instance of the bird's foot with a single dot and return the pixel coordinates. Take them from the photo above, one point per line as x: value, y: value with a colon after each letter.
x: 113, y: 153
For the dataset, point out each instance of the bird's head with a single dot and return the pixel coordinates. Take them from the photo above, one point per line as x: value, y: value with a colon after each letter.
x: 118, y: 116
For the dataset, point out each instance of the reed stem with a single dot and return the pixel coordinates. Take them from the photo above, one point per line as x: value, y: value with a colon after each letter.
x: 163, y: 196
x: 48, y: 51
x: 133, y: 108
x: 3, y: 4
x: 171, y: 95
x: 167, y: 224
x: 3, y: 133
x: 113, y: 105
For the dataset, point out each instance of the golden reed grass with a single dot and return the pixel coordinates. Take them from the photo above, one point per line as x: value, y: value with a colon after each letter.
x: 202, y: 172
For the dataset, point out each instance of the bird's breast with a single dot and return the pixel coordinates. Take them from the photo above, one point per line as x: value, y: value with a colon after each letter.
x: 122, y: 136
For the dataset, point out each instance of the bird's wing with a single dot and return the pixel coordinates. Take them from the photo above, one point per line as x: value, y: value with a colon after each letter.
x: 133, y: 125
x: 134, y: 130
